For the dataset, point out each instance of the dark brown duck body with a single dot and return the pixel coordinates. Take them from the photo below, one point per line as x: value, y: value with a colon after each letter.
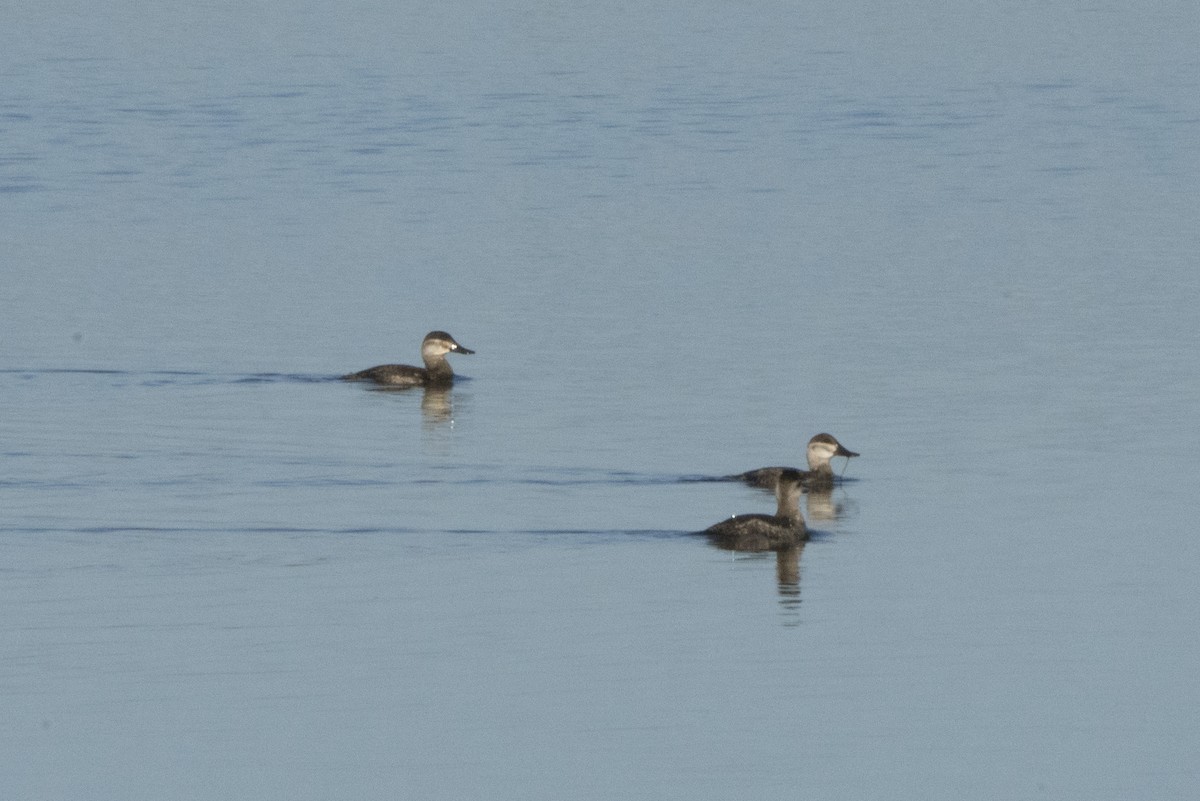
x: 759, y: 532
x: 436, y: 371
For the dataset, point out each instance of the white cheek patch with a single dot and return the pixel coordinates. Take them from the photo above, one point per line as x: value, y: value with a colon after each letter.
x: 824, y: 452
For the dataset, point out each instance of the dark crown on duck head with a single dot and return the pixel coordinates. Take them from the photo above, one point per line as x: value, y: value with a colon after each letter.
x: 830, y: 439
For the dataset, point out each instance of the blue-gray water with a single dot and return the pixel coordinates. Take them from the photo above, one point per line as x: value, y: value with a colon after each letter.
x: 682, y: 240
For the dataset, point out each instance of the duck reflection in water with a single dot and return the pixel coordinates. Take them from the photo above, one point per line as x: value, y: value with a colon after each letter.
x: 820, y: 505
x: 436, y: 406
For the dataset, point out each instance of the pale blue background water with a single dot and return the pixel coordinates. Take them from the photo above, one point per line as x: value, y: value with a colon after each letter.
x: 682, y: 239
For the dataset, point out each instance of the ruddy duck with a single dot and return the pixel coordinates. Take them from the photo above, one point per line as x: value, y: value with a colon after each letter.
x: 756, y: 532
x: 821, y: 449
x: 436, y: 371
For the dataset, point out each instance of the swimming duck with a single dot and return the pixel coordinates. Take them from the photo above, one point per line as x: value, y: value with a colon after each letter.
x: 436, y: 371
x: 758, y: 532
x: 821, y: 449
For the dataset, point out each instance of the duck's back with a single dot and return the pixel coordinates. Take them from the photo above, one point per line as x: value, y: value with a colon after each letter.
x: 394, y: 375
x: 755, y: 532
x: 767, y: 477
x: 763, y: 477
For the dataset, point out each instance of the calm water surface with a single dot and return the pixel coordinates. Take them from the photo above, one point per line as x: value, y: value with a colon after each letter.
x: 681, y: 240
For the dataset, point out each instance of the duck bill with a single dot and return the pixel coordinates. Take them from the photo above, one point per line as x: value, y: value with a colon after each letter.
x: 841, y: 451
